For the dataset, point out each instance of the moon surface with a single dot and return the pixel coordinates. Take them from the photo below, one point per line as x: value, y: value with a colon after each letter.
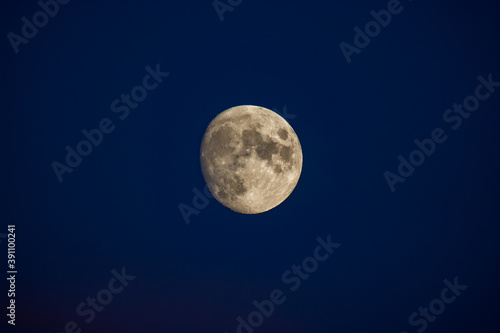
x: 251, y: 159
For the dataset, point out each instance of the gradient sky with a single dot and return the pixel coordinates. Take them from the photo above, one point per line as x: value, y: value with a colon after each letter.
x: 119, y: 207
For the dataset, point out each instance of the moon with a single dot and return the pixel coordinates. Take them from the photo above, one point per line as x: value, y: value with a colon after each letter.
x: 251, y: 159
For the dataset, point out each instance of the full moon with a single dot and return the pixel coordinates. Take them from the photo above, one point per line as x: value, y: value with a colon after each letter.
x: 251, y: 159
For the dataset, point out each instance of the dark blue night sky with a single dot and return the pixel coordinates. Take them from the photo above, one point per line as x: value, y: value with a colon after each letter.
x: 393, y: 226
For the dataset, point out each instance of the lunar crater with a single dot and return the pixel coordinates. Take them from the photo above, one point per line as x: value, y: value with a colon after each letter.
x: 283, y: 133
